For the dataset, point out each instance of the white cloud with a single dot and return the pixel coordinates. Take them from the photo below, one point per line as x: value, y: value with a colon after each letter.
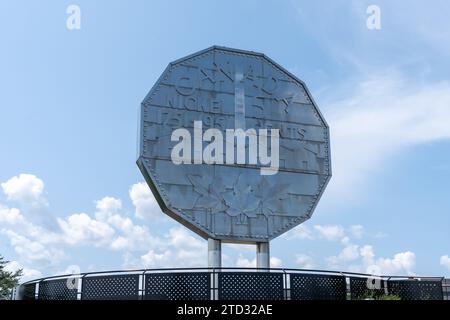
x: 362, y: 259
x: 345, y: 241
x: 239, y: 246
x: 349, y: 253
x: 11, y: 216
x: 367, y: 255
x: 190, y: 250
x: 133, y: 237
x: 152, y: 259
x: 108, y: 229
x: 382, y: 115
x: 27, y: 273
x: 33, y: 251
x: 445, y: 261
x: 14, y: 220
x: 300, y: 232
x: 80, y: 228
x: 25, y: 189
x: 357, y: 231
x: 120, y: 243
x: 275, y: 262
x: 71, y: 269
x: 144, y: 201
x: 177, y: 248
x: 402, y: 262
x: 330, y: 232
x: 106, y: 207
x: 305, y: 261
x: 242, y: 262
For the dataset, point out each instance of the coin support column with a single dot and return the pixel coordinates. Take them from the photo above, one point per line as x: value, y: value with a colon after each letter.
x: 262, y: 255
x: 214, y: 253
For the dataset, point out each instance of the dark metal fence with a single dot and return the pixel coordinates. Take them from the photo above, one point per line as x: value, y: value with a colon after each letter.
x: 446, y: 289
x: 230, y: 284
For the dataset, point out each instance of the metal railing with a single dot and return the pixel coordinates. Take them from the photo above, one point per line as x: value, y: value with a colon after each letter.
x: 229, y: 284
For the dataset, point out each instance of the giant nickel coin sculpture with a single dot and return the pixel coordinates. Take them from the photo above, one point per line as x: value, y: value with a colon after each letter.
x: 233, y: 146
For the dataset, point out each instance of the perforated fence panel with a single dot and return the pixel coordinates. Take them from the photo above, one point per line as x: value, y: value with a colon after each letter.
x: 232, y: 285
x: 29, y: 291
x: 178, y: 286
x: 361, y: 288
x: 111, y: 287
x: 446, y: 289
x: 58, y: 290
x: 416, y: 289
x: 317, y: 287
x: 250, y: 285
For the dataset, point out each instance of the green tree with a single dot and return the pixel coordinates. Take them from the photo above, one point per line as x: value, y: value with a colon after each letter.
x: 8, y: 279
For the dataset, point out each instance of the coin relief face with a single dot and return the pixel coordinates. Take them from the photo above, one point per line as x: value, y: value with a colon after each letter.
x: 238, y: 188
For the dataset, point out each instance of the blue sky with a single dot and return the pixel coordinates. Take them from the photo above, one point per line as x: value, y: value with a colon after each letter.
x: 71, y: 191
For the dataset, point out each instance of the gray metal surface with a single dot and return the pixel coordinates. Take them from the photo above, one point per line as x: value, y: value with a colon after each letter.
x: 214, y: 253
x: 263, y: 255
x: 234, y: 203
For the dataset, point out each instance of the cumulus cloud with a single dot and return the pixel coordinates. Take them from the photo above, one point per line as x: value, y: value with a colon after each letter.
x: 33, y: 251
x: 364, y: 260
x: 190, y: 250
x: 152, y: 259
x: 445, y: 261
x: 177, y: 248
x: 133, y: 236
x: 367, y: 255
x: 357, y: 231
x: 300, y: 232
x: 305, y: 261
x: 26, y: 189
x: 330, y: 232
x: 275, y: 262
x: 144, y: 201
x: 349, y: 253
x: 107, y: 207
x: 401, y: 263
x: 242, y: 262
x: 80, y: 228
x: 107, y: 228
x: 11, y: 216
x: 27, y: 273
